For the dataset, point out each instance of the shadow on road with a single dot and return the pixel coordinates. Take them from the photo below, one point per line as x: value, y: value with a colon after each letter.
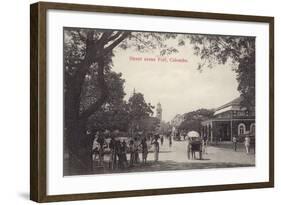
x: 172, y: 165
x: 167, y: 165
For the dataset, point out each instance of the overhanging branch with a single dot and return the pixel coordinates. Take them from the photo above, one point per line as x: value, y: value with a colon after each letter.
x: 116, y: 43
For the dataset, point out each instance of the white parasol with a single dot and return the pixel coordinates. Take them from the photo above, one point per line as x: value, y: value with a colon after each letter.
x: 193, y: 134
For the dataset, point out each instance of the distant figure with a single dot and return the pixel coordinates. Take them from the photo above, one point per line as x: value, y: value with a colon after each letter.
x: 124, y: 153
x: 144, y: 150
x: 101, y: 142
x: 132, y: 152
x: 136, y: 152
x: 188, y: 147
x: 247, y: 144
x: 234, y: 140
x: 205, y: 144
x: 162, y: 140
x: 120, y: 163
x: 156, y: 149
x: 95, y: 149
x: 112, y: 147
x: 170, y: 141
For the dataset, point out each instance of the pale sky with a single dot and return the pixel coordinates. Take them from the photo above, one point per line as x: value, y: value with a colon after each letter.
x: 179, y: 87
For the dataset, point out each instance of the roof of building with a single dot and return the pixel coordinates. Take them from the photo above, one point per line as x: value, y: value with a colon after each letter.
x: 236, y: 101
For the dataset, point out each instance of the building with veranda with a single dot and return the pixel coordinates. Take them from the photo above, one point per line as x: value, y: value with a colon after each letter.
x: 229, y: 120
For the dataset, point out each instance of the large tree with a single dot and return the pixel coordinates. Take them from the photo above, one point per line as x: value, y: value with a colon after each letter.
x: 87, y: 56
x: 139, y: 112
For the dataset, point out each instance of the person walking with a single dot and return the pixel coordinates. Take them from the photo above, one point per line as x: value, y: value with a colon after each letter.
x: 124, y: 153
x: 170, y: 141
x: 188, y: 147
x: 247, y: 144
x: 119, y: 155
x: 144, y: 150
x: 234, y: 140
x: 162, y: 140
x: 132, y: 152
x: 95, y: 151
x: 101, y: 142
x: 136, y: 151
x: 112, y: 147
x: 205, y: 144
x: 156, y: 148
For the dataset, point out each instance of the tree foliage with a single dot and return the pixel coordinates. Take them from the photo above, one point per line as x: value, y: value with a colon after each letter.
x: 138, y: 108
x: 88, y: 57
x: 87, y: 79
x: 192, y: 120
x: 140, y: 113
x: 236, y: 50
x: 246, y: 78
x: 148, y: 125
x: 113, y: 115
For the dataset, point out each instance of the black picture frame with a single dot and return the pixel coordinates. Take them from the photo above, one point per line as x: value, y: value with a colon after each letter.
x: 38, y: 100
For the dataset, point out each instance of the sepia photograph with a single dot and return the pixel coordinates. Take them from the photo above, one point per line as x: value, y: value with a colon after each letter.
x: 146, y: 101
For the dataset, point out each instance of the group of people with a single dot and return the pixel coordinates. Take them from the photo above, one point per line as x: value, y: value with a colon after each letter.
x: 247, y: 143
x: 119, y: 150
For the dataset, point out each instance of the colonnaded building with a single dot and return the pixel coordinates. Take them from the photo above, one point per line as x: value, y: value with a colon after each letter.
x: 229, y: 120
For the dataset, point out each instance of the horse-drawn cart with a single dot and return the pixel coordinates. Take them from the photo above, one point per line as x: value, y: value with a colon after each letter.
x: 194, y: 145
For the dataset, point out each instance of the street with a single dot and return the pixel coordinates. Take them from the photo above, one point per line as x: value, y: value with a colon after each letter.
x: 175, y: 158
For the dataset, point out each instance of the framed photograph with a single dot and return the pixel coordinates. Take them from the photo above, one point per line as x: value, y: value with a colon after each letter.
x: 134, y: 102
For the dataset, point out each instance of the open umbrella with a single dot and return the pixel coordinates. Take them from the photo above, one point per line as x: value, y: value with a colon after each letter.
x: 193, y: 134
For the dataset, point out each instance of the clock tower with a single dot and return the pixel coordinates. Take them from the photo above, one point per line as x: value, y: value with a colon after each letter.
x: 159, y: 111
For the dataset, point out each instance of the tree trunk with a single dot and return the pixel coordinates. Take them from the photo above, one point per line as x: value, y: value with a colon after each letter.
x: 77, y: 141
x: 79, y: 148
